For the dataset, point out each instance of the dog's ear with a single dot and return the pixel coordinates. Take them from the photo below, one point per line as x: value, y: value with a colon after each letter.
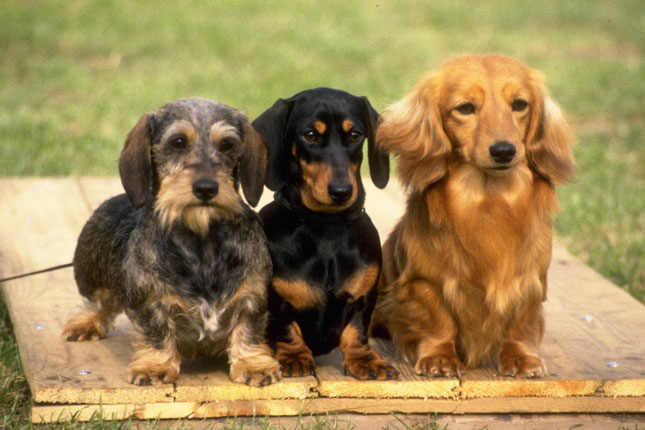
x: 134, y: 163
x: 379, y: 161
x: 271, y: 126
x: 549, y: 138
x: 253, y: 165
x: 412, y: 129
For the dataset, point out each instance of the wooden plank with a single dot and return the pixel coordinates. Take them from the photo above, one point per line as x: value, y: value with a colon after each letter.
x: 37, y: 217
x: 41, y: 218
x: 261, y: 408
x: 592, y: 320
x: 95, y: 190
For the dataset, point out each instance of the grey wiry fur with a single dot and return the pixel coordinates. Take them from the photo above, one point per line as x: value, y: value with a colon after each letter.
x: 180, y: 252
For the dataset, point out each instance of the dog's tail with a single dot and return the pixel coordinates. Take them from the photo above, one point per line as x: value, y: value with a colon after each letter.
x: 37, y: 272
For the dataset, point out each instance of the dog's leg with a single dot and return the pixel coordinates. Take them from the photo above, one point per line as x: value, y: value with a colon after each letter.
x: 423, y: 328
x: 359, y: 359
x: 151, y: 365
x: 251, y: 361
x: 294, y: 356
x: 95, y: 323
x: 518, y: 353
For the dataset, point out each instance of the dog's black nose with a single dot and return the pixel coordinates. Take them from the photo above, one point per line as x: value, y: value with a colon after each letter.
x: 205, y: 189
x: 340, y: 193
x: 502, y: 151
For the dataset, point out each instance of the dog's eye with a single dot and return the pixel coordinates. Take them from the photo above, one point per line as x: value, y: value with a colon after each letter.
x: 519, y: 105
x: 466, y: 108
x: 226, y: 145
x: 178, y: 142
x: 309, y: 136
x: 355, y: 136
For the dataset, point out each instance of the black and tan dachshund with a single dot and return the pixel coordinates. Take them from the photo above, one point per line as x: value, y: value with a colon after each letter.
x: 325, y: 250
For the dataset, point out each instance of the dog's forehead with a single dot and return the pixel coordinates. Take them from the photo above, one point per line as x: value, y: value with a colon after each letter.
x: 329, y: 106
x: 477, y: 75
x: 200, y: 113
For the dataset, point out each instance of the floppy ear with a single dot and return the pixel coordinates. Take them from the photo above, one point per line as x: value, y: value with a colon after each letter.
x: 379, y: 161
x: 134, y: 163
x: 271, y: 126
x: 412, y: 129
x: 253, y: 165
x: 549, y: 139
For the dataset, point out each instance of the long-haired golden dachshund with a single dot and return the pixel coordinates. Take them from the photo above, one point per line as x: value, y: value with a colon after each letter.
x: 481, y: 147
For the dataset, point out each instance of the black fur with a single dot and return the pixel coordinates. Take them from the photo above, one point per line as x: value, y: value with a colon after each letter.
x: 317, y: 246
x: 324, y: 254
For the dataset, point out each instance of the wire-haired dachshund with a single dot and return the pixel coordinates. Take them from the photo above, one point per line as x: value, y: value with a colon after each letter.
x: 325, y: 250
x: 180, y: 252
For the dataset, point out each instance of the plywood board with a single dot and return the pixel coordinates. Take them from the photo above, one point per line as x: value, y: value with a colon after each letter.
x: 590, y: 323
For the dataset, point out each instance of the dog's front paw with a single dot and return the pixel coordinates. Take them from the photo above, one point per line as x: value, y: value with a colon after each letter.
x: 299, y: 363
x: 295, y: 357
x: 153, y: 366
x: 439, y: 365
x: 259, y: 370
x: 84, y: 326
x: 362, y: 362
x: 524, y: 365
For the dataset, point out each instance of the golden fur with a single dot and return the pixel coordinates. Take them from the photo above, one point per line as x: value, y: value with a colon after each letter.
x: 464, y: 271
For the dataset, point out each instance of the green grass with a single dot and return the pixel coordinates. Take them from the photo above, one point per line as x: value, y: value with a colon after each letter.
x: 75, y: 76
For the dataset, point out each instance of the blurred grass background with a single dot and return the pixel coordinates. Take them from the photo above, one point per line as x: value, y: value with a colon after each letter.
x: 75, y: 75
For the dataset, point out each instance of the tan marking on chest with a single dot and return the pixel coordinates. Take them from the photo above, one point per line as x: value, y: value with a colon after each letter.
x: 299, y: 294
x: 361, y: 282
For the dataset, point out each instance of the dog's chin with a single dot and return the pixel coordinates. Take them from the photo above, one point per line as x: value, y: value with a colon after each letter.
x: 197, y: 217
x: 499, y: 170
x: 325, y: 205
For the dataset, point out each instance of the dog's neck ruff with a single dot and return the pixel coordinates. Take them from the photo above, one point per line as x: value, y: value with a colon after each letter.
x: 342, y: 217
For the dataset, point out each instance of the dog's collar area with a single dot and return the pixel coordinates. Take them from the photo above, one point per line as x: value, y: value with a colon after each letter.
x: 342, y: 217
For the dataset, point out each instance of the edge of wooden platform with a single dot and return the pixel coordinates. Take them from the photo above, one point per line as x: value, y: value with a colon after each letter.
x: 42, y: 413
